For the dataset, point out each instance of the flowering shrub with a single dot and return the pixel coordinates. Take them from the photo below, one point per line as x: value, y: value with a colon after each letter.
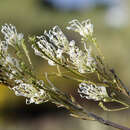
x: 80, y: 64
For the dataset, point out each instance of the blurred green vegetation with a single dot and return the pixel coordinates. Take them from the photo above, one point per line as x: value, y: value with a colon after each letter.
x: 31, y: 18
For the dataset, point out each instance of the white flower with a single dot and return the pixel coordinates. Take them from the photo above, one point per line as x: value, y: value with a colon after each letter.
x: 11, y: 35
x: 32, y: 94
x: 91, y: 91
x: 45, y: 49
x: 58, y: 39
x: 83, y: 61
x: 85, y: 28
x: 54, y: 47
x: 46, y: 46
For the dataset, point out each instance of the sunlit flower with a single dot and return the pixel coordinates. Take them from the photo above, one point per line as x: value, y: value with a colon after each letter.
x: 10, y: 34
x: 85, y: 28
x: 32, y: 94
x: 91, y: 91
x: 83, y: 61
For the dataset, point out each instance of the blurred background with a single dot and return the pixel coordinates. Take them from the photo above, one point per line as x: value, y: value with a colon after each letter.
x: 112, y: 29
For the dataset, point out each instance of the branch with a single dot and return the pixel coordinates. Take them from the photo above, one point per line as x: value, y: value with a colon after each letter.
x: 98, y: 118
x: 103, y: 121
x: 109, y: 123
x: 80, y: 112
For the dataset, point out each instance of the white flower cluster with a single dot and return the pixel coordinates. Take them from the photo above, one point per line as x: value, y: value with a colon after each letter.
x: 54, y: 49
x: 85, y: 28
x: 13, y: 70
x: 91, y: 91
x: 32, y: 94
x: 83, y: 61
x: 10, y: 34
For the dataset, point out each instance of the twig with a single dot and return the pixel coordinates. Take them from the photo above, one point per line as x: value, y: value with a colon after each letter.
x: 100, y: 119
x: 107, y: 122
